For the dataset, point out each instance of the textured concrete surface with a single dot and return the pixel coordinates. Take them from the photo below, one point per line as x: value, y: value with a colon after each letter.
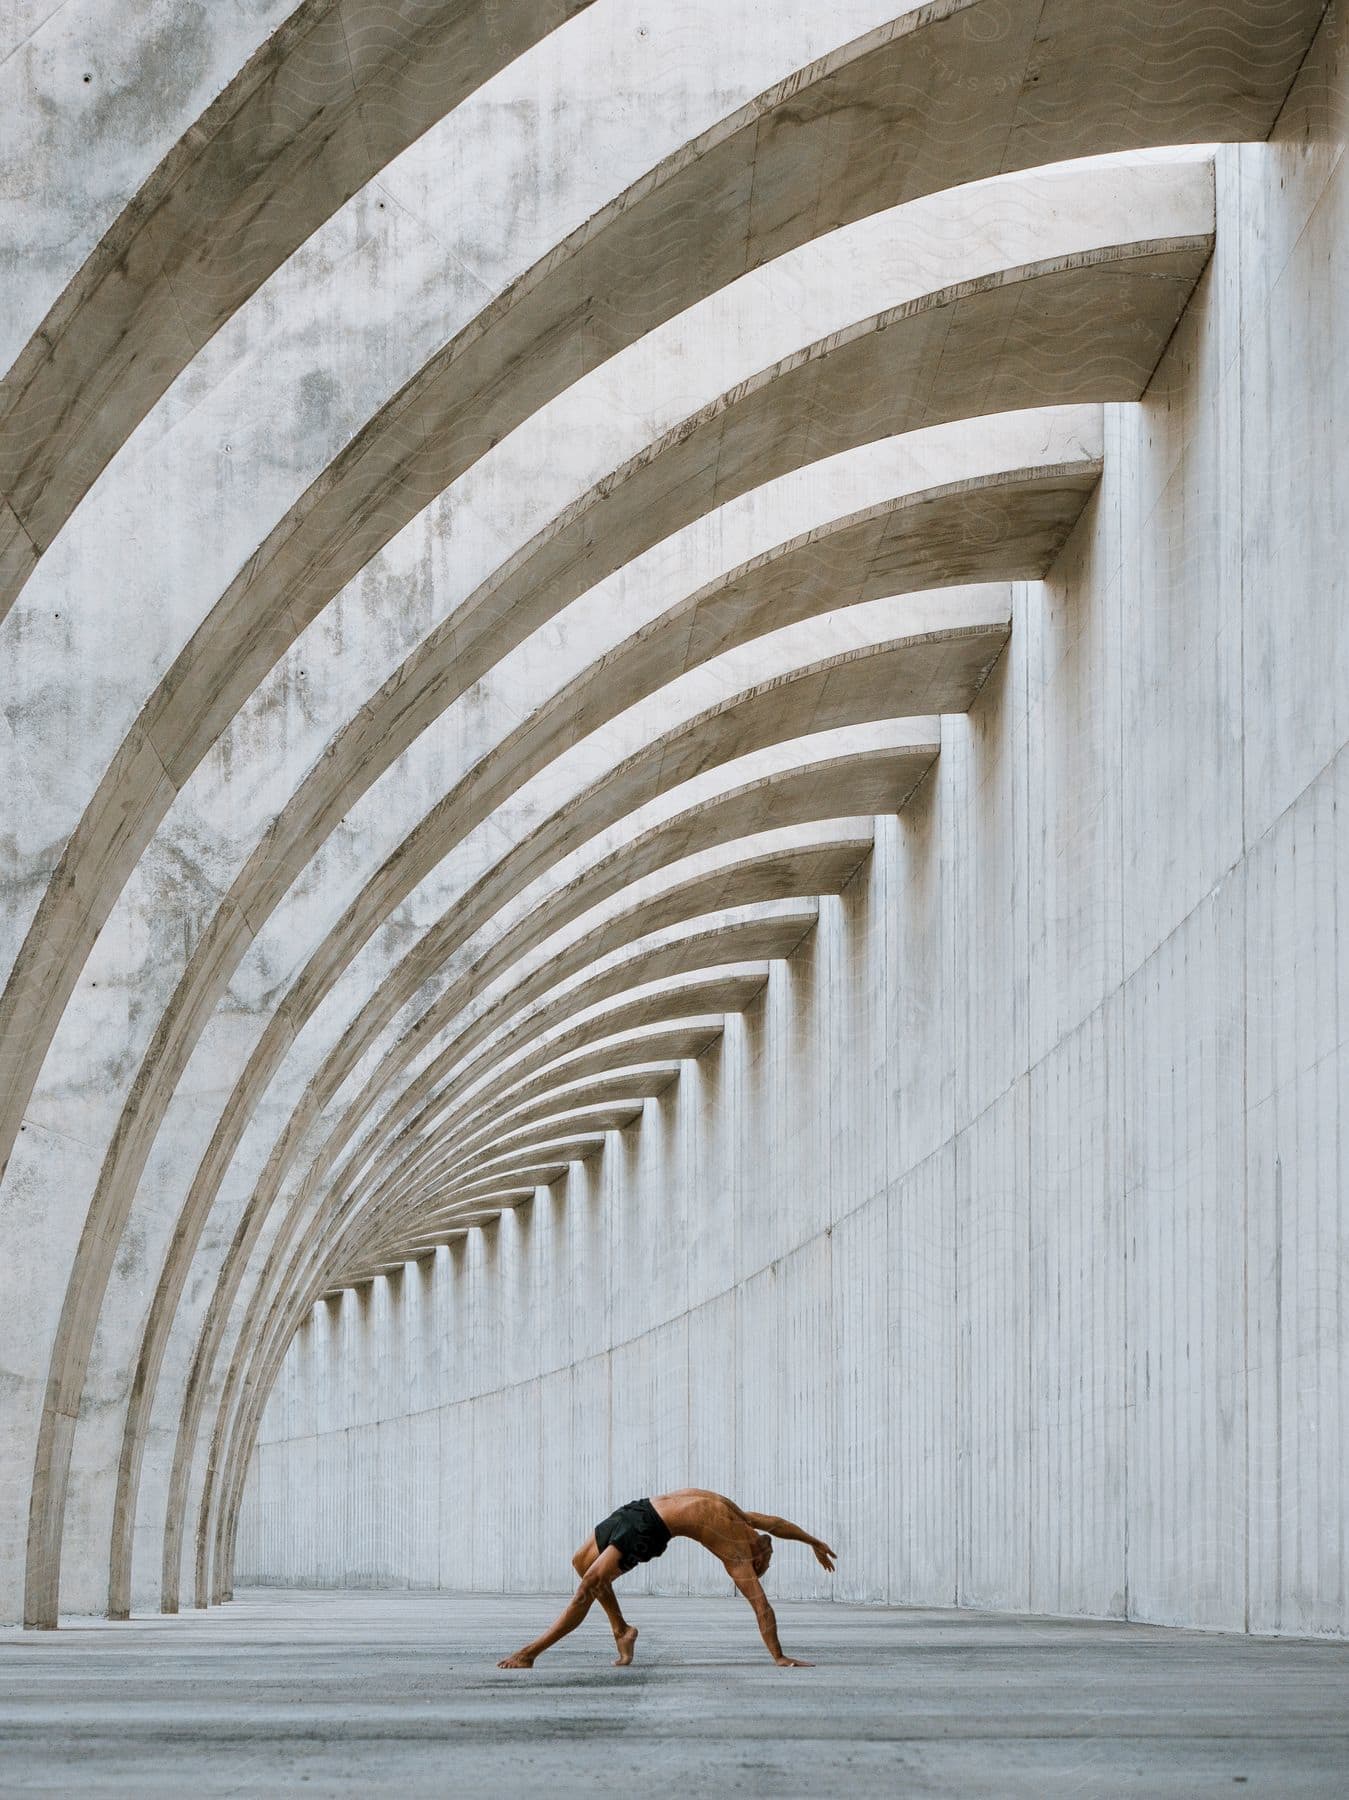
x: 449, y: 652
x: 379, y: 1693
x: 1018, y: 1191
x: 322, y: 105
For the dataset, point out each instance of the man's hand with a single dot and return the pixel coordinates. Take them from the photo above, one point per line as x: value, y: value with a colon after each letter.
x: 823, y: 1554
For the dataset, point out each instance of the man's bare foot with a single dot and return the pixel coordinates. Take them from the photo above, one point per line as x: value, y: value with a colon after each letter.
x: 625, y: 1641
x: 792, y: 1662
x: 518, y: 1661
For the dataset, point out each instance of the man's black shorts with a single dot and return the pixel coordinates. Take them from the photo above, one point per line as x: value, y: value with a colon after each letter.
x: 637, y: 1531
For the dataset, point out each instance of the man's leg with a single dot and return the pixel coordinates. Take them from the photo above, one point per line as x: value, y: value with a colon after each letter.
x: 601, y: 1571
x: 625, y: 1635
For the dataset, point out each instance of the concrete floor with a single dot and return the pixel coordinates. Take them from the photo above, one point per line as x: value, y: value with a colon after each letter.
x: 372, y: 1693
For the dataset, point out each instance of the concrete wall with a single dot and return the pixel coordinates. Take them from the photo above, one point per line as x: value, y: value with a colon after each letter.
x: 323, y: 717
x: 1002, y: 1239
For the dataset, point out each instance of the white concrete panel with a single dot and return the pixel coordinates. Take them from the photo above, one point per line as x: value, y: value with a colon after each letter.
x: 922, y: 1364
x: 1297, y: 1076
x: 1184, y: 1194
x: 993, y: 1353
x: 863, y: 1509
x: 1076, y: 1288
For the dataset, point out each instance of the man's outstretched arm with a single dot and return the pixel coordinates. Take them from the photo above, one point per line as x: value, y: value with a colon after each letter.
x: 783, y: 1528
x: 742, y: 1574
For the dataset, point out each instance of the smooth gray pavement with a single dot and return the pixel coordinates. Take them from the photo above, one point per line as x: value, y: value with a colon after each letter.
x: 371, y: 1693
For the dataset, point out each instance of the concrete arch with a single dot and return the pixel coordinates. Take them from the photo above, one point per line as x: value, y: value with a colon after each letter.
x: 769, y: 803
x: 479, y: 969
x: 729, y: 988
x: 443, y: 1192
x: 1025, y: 550
x: 611, y: 1094
x: 769, y: 931
x: 764, y: 803
x: 175, y: 1036
x: 683, y: 1039
x: 802, y: 791
x: 629, y: 1017
x: 954, y: 638
x: 331, y: 81
x: 321, y: 106
x: 773, y: 929
x: 569, y: 1127
x: 1097, y: 321
x: 558, y: 1058
x: 770, y: 872
x: 374, y: 1086
x: 778, y: 865
x: 359, y: 754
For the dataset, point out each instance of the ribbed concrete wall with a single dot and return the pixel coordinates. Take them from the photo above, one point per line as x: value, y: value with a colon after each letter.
x: 1001, y: 1239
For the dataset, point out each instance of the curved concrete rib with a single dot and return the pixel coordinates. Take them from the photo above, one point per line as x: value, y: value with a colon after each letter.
x: 931, y: 531
x: 879, y: 801
x: 875, y: 779
x: 569, y: 1127
x: 778, y: 866
x: 1079, y: 325
x: 936, y: 98
x: 629, y: 1088
x: 480, y: 1073
x: 617, y: 1030
x: 403, y: 708
x: 802, y: 580
x: 555, y: 1028
x: 440, y: 1199
x: 743, y: 934
x: 555, y: 1152
x: 331, y: 97
x: 682, y: 1039
x: 620, y: 1094
x: 410, y: 699
x: 954, y: 638
x: 774, y: 930
x: 779, y: 871
x: 184, y: 1019
x: 728, y: 989
x: 550, y: 1150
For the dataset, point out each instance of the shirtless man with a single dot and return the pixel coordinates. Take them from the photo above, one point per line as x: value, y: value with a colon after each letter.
x: 642, y: 1530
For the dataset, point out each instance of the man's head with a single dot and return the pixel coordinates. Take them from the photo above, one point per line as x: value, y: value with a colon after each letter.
x: 763, y: 1552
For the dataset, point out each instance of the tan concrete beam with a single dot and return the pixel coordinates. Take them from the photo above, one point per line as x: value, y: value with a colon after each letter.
x: 910, y: 542
x: 276, y: 1331
x: 1009, y: 93
x: 219, y: 952
x: 685, y: 1039
x: 580, y: 1125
